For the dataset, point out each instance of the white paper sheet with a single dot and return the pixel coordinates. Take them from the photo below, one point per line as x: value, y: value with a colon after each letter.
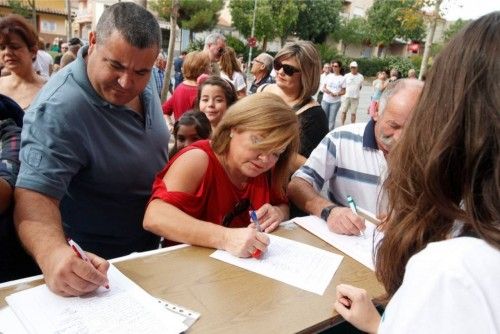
x: 9, y: 323
x: 124, y: 308
x: 303, y: 266
x: 358, y: 247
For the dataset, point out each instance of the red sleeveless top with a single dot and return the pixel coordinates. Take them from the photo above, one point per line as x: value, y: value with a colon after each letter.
x: 216, y: 196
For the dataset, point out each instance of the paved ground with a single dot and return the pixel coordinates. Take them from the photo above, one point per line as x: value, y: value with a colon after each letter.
x: 364, y: 102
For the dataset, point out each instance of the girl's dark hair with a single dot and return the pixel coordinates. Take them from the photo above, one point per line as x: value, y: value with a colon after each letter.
x: 227, y: 87
x: 192, y: 118
x: 342, y: 72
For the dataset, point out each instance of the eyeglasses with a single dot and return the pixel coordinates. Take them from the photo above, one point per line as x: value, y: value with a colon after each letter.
x: 257, y: 61
x: 221, y: 51
x: 238, y: 209
x: 288, y: 69
x: 335, y: 65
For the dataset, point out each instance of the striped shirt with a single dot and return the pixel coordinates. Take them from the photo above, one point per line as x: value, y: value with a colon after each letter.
x: 349, y: 159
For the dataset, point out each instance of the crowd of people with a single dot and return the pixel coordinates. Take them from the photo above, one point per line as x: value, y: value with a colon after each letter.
x: 85, y: 155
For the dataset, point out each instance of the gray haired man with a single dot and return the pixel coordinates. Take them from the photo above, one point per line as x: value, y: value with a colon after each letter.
x: 91, y: 145
x: 352, y: 159
x: 262, y: 65
x: 215, y: 46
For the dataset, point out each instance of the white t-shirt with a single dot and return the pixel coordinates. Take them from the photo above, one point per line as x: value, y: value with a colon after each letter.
x: 353, y: 84
x: 451, y: 286
x: 42, y: 63
x: 334, y: 83
x: 238, y: 80
x: 322, y: 79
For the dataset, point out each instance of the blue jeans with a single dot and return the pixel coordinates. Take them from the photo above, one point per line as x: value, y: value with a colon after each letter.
x: 331, y: 110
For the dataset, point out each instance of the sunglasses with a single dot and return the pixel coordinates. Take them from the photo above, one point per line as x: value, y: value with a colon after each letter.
x: 221, y: 51
x: 238, y: 209
x: 257, y: 61
x: 335, y: 65
x: 288, y: 69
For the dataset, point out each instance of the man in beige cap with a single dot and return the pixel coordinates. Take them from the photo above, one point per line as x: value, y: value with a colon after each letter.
x: 353, y: 85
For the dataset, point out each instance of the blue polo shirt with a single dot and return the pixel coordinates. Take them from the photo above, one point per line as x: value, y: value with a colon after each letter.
x: 97, y: 158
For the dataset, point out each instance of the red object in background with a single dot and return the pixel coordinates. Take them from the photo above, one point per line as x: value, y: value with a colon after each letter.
x: 252, y: 41
x: 413, y: 47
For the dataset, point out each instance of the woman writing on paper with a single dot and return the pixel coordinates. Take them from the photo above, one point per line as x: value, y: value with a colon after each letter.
x: 439, y: 259
x: 204, y: 195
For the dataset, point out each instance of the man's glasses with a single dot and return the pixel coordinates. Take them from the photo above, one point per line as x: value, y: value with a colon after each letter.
x: 288, y: 69
x: 221, y: 51
x: 238, y: 209
x: 258, y: 61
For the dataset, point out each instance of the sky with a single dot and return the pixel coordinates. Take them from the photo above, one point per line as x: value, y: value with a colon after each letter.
x: 468, y: 9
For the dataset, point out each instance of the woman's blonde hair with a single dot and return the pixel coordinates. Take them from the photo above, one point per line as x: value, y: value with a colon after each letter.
x: 269, y: 114
x: 228, y: 62
x: 195, y: 64
x: 309, y: 63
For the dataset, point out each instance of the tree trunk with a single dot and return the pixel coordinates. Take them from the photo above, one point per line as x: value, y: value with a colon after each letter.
x: 429, y: 39
x: 171, y: 44
x: 68, y: 14
x: 33, y: 14
x: 264, y: 44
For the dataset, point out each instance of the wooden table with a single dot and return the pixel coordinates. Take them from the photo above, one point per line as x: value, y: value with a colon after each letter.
x: 233, y: 300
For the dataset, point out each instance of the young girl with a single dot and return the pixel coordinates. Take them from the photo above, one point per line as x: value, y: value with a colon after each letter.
x: 215, y: 96
x: 192, y: 126
x: 378, y: 87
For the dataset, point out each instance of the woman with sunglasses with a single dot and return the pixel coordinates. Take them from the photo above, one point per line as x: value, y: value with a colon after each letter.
x: 18, y: 50
x: 298, y: 70
x: 204, y: 194
x: 439, y: 259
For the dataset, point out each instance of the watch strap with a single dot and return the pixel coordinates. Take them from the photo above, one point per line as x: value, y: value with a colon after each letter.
x: 326, y: 211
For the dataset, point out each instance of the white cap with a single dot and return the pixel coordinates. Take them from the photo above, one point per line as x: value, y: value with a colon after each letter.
x: 353, y: 64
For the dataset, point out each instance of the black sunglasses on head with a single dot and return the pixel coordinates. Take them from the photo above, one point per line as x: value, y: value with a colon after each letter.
x: 238, y: 209
x: 288, y: 69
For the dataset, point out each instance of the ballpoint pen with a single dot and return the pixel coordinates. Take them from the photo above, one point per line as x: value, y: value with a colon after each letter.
x: 253, y: 218
x: 352, y: 205
x: 81, y: 254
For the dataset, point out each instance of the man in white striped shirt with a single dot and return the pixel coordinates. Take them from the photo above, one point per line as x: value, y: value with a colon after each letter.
x: 352, y: 159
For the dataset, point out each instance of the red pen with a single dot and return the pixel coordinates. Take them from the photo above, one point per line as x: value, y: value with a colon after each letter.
x: 253, y: 217
x: 81, y: 254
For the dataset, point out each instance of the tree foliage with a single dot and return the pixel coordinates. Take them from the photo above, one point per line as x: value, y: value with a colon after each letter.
x: 20, y: 8
x: 353, y: 31
x: 273, y: 19
x: 317, y: 18
x: 195, y: 15
x: 454, y: 28
x: 389, y: 19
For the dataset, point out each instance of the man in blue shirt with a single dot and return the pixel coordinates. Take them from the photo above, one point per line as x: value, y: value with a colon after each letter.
x: 91, y: 145
x: 178, y: 62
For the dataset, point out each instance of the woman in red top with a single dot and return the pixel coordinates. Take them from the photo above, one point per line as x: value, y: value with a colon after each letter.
x: 244, y: 167
x: 195, y: 64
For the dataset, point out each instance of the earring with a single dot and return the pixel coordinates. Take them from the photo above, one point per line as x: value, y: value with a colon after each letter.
x: 231, y: 135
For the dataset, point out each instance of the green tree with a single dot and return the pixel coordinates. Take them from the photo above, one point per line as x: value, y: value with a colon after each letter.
x: 273, y: 19
x: 353, y: 31
x: 454, y: 28
x: 389, y: 19
x: 317, y: 18
x: 195, y: 15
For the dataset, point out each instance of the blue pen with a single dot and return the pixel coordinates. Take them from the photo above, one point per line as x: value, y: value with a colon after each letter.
x: 253, y: 218
x: 352, y: 205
